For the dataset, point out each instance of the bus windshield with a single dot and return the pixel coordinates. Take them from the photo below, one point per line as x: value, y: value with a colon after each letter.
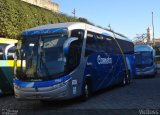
x: 144, y: 59
x: 43, y: 55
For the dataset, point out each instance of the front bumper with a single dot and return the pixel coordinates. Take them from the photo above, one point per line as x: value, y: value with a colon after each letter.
x: 143, y: 72
x: 59, y: 92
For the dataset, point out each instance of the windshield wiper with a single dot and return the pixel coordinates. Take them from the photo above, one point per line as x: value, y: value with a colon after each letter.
x: 22, y: 53
x: 44, y: 65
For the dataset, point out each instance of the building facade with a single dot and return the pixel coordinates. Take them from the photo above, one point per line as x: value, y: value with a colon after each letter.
x: 47, y: 4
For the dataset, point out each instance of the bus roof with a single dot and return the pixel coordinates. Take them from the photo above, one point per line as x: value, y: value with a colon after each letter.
x: 7, y: 41
x: 52, y: 28
x: 143, y: 47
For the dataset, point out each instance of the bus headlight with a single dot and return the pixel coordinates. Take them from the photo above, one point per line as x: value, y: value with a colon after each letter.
x: 54, y: 87
x: 16, y: 86
x: 60, y: 85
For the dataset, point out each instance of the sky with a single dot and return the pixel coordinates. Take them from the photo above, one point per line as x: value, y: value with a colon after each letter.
x: 128, y: 17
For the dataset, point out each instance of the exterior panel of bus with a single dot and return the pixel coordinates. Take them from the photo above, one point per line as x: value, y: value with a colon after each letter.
x: 7, y: 50
x: 145, y: 60
x: 68, y: 60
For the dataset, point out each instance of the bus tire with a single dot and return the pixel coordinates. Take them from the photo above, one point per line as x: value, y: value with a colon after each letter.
x: 126, y: 79
x: 86, y: 90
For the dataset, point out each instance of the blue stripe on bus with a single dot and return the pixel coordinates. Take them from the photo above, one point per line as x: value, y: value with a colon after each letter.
x: 44, y: 31
x: 39, y: 84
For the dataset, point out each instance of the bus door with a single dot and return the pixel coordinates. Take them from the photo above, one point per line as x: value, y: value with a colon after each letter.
x: 91, y: 55
x: 5, y: 77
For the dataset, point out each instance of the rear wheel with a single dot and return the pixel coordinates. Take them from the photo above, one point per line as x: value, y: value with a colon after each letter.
x: 129, y: 78
x: 126, y: 79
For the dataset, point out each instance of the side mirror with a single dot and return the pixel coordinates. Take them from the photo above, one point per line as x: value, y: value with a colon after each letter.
x: 67, y: 44
x: 18, y: 45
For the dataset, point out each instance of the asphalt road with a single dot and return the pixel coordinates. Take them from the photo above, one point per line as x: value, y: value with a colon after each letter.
x: 141, y: 96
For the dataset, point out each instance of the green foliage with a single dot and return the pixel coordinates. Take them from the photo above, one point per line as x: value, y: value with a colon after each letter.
x: 85, y: 20
x: 17, y: 16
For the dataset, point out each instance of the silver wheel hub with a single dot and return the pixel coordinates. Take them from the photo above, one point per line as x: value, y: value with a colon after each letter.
x: 124, y: 81
x: 86, y: 90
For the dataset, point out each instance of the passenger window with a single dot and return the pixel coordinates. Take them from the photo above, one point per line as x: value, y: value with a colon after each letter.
x: 127, y: 47
x: 101, y: 43
x: 108, y: 44
x: 80, y: 35
x: 116, y: 48
x: 97, y: 42
x: 11, y: 53
x: 73, y: 59
x: 1, y: 54
x: 90, y: 44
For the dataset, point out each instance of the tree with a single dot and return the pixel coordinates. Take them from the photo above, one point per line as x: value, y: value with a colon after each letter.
x: 140, y: 39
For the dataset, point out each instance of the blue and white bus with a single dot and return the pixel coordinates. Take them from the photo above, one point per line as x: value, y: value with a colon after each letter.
x: 67, y: 60
x: 145, y: 60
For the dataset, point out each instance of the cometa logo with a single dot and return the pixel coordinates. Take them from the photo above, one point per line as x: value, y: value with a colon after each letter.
x: 101, y: 60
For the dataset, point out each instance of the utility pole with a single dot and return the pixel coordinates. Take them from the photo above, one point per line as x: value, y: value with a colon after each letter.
x: 153, y: 30
x: 74, y: 12
x: 109, y: 26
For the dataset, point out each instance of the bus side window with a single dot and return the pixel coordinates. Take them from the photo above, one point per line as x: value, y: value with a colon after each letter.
x: 100, y: 43
x: 108, y: 44
x: 90, y: 44
x: 127, y: 47
x: 75, y: 49
x: 1, y: 54
x: 115, y: 47
x: 11, y: 53
x: 80, y: 35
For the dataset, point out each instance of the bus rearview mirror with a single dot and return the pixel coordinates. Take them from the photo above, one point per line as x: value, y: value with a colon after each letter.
x: 67, y: 44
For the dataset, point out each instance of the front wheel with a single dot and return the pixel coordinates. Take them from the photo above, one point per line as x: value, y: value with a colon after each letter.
x: 86, y: 91
x: 128, y: 79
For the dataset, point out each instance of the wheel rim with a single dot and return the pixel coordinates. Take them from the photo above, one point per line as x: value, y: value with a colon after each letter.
x: 124, y: 81
x: 86, y: 91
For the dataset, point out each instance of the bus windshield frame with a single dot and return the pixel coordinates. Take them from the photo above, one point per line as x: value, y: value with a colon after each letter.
x: 43, y: 56
x: 144, y: 59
